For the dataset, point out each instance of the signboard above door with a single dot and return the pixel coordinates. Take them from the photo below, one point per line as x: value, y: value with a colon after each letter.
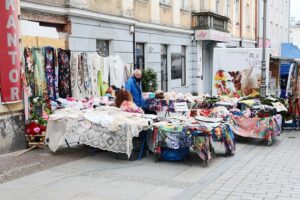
x: 212, y: 35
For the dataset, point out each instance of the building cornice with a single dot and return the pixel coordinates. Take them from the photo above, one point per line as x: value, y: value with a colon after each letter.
x: 58, y: 10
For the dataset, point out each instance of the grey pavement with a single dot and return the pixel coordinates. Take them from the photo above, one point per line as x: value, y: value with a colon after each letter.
x: 256, y: 171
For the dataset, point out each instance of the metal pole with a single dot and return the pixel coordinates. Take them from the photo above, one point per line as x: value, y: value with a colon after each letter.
x: 134, y: 48
x: 263, y: 86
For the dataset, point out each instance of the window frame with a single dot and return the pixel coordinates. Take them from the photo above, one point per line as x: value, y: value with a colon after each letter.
x: 98, y: 49
x: 165, y: 2
x: 183, y: 65
x: 139, y: 65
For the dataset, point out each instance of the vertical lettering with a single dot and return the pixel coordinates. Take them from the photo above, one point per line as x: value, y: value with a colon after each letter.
x: 14, y: 91
x: 10, y: 3
x: 11, y: 39
x: 13, y: 55
x: 11, y: 22
x: 13, y: 76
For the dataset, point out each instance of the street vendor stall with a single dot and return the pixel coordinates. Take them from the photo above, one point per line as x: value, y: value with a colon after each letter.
x: 172, y: 139
x: 106, y: 128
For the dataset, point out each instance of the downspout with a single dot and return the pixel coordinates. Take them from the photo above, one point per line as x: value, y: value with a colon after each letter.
x: 256, y: 24
x: 241, y: 22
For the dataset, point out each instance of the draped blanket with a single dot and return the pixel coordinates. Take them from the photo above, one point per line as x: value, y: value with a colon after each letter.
x: 265, y: 128
x: 106, y: 128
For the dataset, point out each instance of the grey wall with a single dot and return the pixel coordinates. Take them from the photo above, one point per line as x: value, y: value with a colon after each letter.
x: 12, y: 137
x: 85, y: 32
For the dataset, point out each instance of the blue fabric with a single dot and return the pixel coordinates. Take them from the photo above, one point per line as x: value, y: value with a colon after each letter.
x: 174, y: 154
x: 288, y: 50
x: 284, y: 69
x: 136, y: 91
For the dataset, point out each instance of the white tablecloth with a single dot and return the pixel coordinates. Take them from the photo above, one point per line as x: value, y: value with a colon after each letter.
x: 106, y: 128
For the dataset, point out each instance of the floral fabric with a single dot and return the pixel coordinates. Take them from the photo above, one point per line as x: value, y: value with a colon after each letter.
x: 29, y: 71
x: 64, y: 76
x: 50, y: 72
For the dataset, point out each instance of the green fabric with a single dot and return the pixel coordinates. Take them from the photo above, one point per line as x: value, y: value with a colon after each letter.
x: 171, y: 128
x: 100, y: 84
x: 39, y: 72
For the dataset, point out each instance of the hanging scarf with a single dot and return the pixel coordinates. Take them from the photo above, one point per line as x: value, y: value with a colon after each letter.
x: 50, y: 72
x: 29, y: 71
x: 64, y: 77
x: 39, y: 73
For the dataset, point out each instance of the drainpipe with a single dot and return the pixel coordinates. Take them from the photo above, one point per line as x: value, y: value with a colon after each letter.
x: 263, y: 87
x: 132, y: 32
x: 241, y: 22
x: 256, y: 24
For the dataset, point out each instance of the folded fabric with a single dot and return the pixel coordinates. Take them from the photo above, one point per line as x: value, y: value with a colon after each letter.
x: 208, y: 119
x: 279, y: 107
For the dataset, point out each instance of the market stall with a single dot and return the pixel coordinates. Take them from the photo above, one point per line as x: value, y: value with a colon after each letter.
x: 107, y: 128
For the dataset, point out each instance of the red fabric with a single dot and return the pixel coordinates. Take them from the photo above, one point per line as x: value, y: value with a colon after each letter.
x: 205, y: 112
x: 34, y: 129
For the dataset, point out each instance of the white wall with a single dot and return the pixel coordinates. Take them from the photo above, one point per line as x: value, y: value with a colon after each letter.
x: 30, y: 28
x: 295, y: 35
x: 277, y: 23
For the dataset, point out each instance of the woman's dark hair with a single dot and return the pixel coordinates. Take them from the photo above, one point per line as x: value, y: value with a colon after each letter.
x: 122, y: 95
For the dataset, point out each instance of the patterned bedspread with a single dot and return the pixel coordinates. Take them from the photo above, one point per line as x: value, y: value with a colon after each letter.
x: 106, y: 128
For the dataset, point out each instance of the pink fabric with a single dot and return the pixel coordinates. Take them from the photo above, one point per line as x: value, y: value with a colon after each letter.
x: 253, y: 127
x: 129, y: 106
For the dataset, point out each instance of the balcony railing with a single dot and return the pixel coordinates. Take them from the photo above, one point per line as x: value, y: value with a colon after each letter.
x: 209, y: 20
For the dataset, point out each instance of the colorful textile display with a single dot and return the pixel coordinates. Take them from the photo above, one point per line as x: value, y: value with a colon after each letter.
x: 265, y: 128
x: 173, y: 137
x: 64, y: 76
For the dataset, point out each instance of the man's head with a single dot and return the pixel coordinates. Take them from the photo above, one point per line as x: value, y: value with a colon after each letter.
x: 137, y: 74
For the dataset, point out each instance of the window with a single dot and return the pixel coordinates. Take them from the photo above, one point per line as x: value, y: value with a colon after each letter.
x: 248, y: 15
x: 228, y: 7
x: 164, y: 66
x: 183, y: 64
x: 103, y: 48
x: 237, y: 12
x: 218, y: 10
x: 185, y: 4
x: 165, y: 2
x: 178, y: 65
x: 202, y: 5
x: 140, y: 55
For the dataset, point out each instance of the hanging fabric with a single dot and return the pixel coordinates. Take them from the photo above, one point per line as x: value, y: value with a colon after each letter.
x: 64, y: 79
x: 39, y: 73
x: 75, y: 61
x: 105, y: 68
x: 116, y: 71
x: 94, y: 67
x: 29, y: 71
x: 50, y: 72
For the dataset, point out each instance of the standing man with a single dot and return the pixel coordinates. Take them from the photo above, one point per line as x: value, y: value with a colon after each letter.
x: 134, y: 86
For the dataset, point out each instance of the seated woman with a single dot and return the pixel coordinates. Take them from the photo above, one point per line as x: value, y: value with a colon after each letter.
x: 124, y: 101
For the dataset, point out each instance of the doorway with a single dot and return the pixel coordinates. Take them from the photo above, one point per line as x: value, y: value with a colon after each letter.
x: 164, y: 67
x: 207, y: 55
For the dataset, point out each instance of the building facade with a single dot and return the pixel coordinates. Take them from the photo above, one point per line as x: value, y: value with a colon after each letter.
x: 278, y: 17
x: 295, y: 34
x: 158, y: 30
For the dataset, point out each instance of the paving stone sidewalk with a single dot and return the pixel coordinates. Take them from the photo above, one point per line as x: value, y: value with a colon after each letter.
x: 256, y: 171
